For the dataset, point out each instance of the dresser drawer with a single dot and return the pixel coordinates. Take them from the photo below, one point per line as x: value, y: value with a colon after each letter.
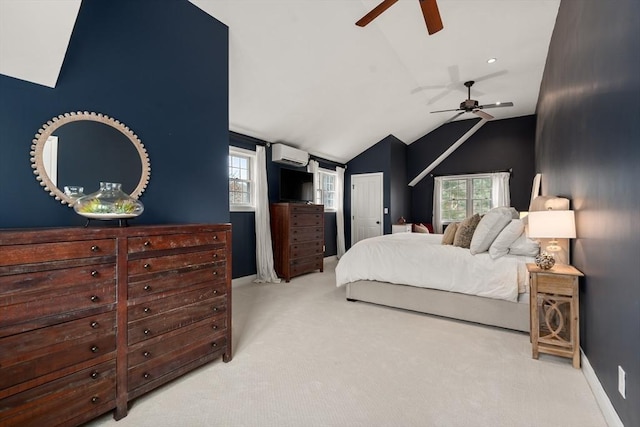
x: 213, y: 275
x: 306, y: 249
x: 174, y: 241
x: 55, y: 307
x: 306, y: 265
x: 156, y: 347
x: 32, y: 354
x: 153, y: 370
x: 306, y: 219
x: 172, y: 262
x: 155, y: 306
x: 306, y: 234
x: 46, y: 252
x: 89, y: 390
x: 159, y: 324
x: 555, y: 284
x: 302, y: 208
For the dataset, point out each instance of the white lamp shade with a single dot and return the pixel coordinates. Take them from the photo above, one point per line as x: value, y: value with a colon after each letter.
x: 552, y: 224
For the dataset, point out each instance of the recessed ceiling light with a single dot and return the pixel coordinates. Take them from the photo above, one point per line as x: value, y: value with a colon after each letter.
x: 491, y: 60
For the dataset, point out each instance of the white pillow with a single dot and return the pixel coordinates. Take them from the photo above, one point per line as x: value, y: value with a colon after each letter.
x: 489, y: 227
x: 507, y: 236
x: 524, y: 246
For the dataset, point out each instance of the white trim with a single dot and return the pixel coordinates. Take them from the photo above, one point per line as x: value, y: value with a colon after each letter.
x: 607, y: 409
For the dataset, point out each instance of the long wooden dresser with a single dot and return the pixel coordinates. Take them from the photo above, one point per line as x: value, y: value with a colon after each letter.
x: 91, y: 318
x: 297, y: 232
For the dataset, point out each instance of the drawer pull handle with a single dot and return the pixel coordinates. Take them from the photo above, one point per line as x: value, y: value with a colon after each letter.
x: 94, y: 273
x: 95, y: 324
x: 215, y: 292
x: 94, y: 349
x: 147, y: 310
x: 95, y: 374
x: 147, y: 288
x: 215, y: 255
x: 147, y: 266
x: 215, y: 273
x: 147, y: 243
x: 215, y: 327
x: 213, y: 344
x: 95, y: 399
x: 146, y: 375
x: 215, y: 237
x: 146, y: 354
x: 147, y: 331
x: 95, y: 248
x: 94, y: 298
x: 215, y: 309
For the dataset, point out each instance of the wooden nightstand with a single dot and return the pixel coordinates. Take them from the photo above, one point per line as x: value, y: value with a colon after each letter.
x: 555, y: 317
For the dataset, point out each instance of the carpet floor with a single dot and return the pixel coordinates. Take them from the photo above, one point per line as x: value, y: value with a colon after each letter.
x: 304, y: 356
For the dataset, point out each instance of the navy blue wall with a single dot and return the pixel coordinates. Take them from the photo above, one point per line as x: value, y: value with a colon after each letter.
x: 163, y: 71
x: 375, y: 159
x: 498, y: 145
x: 588, y: 149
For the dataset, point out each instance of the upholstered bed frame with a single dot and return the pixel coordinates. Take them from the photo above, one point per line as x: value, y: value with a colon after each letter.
x: 487, y: 311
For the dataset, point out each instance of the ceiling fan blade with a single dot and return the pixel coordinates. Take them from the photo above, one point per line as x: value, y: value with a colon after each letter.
x: 482, y: 114
x: 366, y: 19
x: 444, y: 111
x: 431, y: 15
x: 500, y: 104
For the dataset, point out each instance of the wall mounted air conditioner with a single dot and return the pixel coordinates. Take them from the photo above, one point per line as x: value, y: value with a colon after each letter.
x: 281, y: 153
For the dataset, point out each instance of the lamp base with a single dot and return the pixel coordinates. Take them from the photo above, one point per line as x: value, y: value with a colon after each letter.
x: 545, y: 261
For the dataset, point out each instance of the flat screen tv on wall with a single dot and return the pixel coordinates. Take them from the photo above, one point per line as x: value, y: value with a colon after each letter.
x: 296, y: 186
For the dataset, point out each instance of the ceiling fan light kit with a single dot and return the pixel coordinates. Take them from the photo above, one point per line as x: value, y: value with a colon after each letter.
x: 429, y: 8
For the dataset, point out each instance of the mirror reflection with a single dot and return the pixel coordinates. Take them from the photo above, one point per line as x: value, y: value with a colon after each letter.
x: 84, y: 153
x: 74, y: 152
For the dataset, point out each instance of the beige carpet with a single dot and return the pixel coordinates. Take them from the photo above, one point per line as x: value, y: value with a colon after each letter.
x: 304, y: 356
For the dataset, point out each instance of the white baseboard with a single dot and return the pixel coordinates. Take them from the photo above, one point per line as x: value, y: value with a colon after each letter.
x: 239, y: 281
x: 607, y: 409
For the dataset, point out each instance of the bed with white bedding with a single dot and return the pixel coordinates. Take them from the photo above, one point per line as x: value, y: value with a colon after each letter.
x: 415, y: 271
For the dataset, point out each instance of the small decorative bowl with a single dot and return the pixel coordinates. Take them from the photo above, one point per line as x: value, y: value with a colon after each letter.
x: 545, y: 261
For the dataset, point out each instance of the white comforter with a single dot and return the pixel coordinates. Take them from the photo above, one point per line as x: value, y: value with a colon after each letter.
x: 420, y: 260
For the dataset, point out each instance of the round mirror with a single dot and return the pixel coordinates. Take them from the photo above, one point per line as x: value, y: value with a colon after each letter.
x: 72, y: 153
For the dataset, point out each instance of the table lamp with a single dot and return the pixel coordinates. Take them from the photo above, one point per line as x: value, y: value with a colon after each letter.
x: 551, y: 224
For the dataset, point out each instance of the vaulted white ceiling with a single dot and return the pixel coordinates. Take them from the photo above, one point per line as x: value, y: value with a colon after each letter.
x: 302, y: 73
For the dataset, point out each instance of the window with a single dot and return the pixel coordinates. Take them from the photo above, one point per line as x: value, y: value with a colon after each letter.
x: 241, y: 179
x: 462, y: 197
x: 326, y: 194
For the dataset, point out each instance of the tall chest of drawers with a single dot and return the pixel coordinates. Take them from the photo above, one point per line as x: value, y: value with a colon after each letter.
x: 297, y: 232
x: 91, y: 318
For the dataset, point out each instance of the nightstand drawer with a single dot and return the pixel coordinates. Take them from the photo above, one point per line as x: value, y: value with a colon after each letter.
x: 555, y: 284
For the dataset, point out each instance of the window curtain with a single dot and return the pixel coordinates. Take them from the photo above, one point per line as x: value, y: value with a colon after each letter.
x: 264, y: 251
x: 500, y: 195
x: 437, y: 194
x: 314, y: 167
x: 500, y: 189
x: 340, y: 211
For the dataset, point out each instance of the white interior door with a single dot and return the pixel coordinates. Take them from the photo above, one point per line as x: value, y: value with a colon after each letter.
x: 366, y: 206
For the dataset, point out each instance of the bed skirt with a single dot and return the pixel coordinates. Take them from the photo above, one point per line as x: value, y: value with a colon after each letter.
x: 487, y: 311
